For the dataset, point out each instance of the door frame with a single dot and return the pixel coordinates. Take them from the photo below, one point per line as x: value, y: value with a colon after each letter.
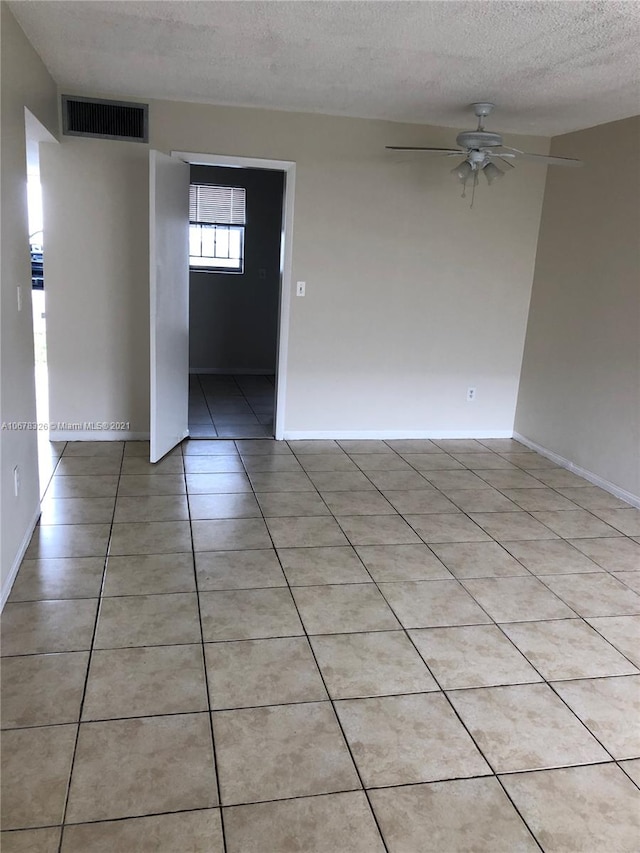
x: 288, y: 167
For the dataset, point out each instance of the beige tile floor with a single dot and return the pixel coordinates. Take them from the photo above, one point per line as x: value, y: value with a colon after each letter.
x: 323, y: 647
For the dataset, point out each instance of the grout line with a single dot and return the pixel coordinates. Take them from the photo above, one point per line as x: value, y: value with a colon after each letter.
x: 323, y: 794
x: 331, y: 794
x: 334, y: 634
x: 206, y: 675
x: 331, y: 700
x: 86, y: 679
x: 620, y: 762
x: 43, y: 493
x: 206, y: 402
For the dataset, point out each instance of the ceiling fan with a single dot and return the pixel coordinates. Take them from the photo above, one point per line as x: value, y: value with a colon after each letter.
x: 480, y: 148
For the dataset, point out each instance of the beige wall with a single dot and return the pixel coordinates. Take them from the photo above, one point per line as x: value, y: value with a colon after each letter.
x: 25, y: 82
x: 95, y: 198
x: 580, y: 388
x: 411, y: 296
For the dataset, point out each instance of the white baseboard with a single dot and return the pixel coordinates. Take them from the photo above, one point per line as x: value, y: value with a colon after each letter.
x: 6, y: 587
x: 389, y: 434
x: 249, y: 371
x: 623, y: 494
x: 97, y: 435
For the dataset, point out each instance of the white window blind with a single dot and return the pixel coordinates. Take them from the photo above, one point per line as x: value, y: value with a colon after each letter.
x: 215, y: 205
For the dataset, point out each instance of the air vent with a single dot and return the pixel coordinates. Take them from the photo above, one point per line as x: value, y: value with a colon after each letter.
x: 104, y: 119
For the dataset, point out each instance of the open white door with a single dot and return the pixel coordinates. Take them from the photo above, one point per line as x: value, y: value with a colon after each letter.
x: 169, y: 301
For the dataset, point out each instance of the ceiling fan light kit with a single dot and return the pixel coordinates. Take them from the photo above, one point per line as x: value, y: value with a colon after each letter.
x: 463, y: 171
x: 480, y: 147
x: 492, y: 173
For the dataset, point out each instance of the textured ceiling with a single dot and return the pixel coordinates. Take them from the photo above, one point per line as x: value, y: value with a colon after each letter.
x: 551, y: 67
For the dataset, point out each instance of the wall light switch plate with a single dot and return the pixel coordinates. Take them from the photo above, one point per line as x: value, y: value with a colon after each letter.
x: 301, y: 287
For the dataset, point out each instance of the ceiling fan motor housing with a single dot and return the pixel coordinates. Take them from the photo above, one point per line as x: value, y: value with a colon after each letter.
x: 478, y: 139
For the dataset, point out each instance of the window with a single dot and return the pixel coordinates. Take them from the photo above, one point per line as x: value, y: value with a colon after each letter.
x: 217, y: 218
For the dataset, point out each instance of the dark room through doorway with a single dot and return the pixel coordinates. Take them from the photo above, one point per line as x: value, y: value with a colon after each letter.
x: 235, y: 231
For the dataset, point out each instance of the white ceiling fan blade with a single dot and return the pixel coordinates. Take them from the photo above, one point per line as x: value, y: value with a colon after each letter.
x: 501, y: 157
x: 542, y: 158
x: 430, y: 150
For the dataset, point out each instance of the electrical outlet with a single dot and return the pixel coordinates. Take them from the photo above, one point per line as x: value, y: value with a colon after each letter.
x: 471, y: 395
x: 16, y: 481
x: 301, y: 287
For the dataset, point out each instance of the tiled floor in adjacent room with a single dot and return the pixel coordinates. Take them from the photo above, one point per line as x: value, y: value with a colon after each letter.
x: 323, y: 647
x: 231, y: 405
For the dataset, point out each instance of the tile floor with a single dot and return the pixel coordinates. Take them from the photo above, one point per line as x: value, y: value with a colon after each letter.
x: 231, y: 405
x: 328, y: 647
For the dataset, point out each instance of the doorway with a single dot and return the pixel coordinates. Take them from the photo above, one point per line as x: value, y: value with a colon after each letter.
x: 235, y: 229
x: 48, y: 453
x: 169, y: 312
x: 169, y: 181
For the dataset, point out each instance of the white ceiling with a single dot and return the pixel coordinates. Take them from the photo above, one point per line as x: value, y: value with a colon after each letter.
x: 551, y: 67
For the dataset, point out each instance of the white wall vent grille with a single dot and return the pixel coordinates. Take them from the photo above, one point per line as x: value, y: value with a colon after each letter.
x: 105, y: 119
